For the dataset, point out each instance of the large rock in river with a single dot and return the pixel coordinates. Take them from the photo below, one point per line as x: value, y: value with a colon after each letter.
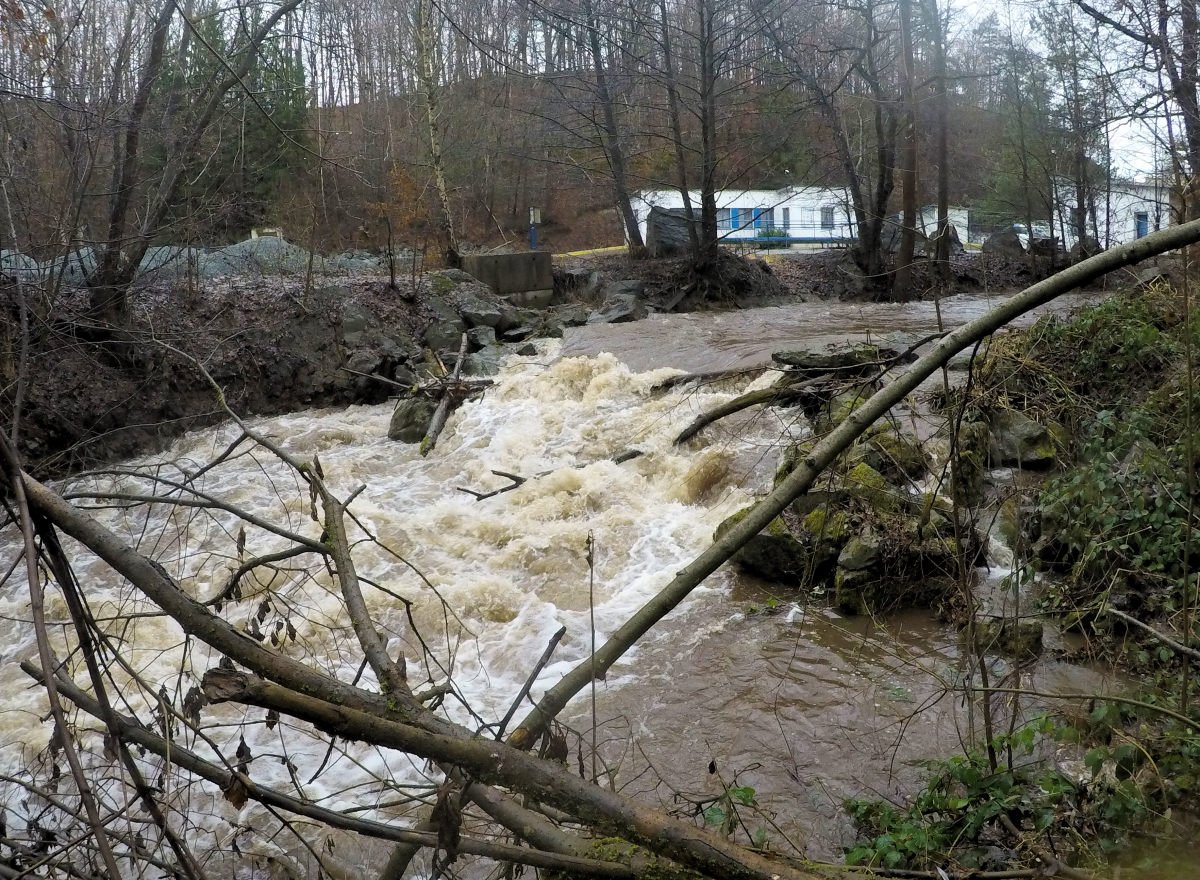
x: 410, y: 419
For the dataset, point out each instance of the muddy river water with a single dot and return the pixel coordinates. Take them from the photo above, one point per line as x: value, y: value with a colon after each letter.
x: 772, y: 689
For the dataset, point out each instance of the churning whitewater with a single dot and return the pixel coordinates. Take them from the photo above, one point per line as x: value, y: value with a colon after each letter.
x: 469, y: 590
x: 806, y: 706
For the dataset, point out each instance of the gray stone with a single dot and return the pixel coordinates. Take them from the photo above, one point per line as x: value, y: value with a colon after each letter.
x: 667, y: 232
x: 481, y: 315
x: 571, y: 316
x: 356, y: 319
x: 410, y: 419
x: 625, y: 287
x: 481, y: 337
x: 620, y: 309
x: 1151, y: 276
x: 807, y: 362
x: 582, y: 282
x: 404, y: 375
x: 444, y: 335
x: 1005, y: 243
x: 363, y: 361
x: 1018, y: 440
x: 527, y: 350
x: 860, y: 553
x: 458, y: 276
x: 520, y: 332
x: 485, y: 362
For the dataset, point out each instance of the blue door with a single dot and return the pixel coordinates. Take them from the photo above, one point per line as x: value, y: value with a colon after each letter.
x: 1141, y: 221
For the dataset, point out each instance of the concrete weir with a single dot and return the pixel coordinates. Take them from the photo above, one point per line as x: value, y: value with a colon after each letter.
x: 524, y: 279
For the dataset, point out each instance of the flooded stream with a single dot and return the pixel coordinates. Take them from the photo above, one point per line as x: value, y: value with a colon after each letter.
x: 771, y: 689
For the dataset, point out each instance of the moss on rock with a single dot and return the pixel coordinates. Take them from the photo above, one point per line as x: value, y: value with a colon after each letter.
x: 774, y: 553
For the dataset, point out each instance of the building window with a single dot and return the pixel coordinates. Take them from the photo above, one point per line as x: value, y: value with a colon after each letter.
x: 787, y: 219
x: 827, y: 218
x: 764, y: 218
x: 724, y: 219
x: 1141, y: 222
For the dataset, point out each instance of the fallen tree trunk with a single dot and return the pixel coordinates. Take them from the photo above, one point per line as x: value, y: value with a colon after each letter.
x: 823, y: 454
x: 397, y: 720
x: 774, y: 396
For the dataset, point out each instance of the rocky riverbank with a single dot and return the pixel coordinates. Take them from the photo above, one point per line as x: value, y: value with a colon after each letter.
x: 279, y: 343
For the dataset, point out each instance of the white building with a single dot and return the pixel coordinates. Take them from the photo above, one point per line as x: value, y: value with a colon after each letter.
x: 927, y: 221
x: 798, y: 214
x: 1126, y: 212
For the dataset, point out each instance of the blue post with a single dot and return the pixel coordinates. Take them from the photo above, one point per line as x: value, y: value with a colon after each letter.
x: 532, y: 237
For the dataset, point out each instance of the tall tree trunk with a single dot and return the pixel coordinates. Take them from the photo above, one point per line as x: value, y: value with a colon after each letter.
x: 908, y: 172
x: 111, y: 277
x: 681, y: 171
x: 427, y: 75
x: 123, y: 250
x: 942, y: 103
x: 610, y: 135
x: 706, y: 251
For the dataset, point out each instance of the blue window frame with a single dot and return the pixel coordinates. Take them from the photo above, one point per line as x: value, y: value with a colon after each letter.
x: 1141, y: 222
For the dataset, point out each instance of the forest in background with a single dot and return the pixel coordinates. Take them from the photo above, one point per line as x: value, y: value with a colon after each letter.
x: 436, y: 126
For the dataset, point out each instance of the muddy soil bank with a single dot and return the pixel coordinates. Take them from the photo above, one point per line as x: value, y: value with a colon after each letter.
x: 272, y: 344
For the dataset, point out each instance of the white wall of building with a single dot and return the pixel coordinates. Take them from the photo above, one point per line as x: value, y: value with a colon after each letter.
x: 1129, y: 211
x: 812, y: 214
x: 927, y: 221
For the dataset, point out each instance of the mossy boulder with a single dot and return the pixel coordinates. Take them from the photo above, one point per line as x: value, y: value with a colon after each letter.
x: 799, y: 548
x: 1013, y: 522
x: 823, y: 525
x: 860, y: 553
x: 839, y: 408
x: 907, y: 558
x: 969, y: 464
x: 898, y: 457
x: 774, y: 553
x: 410, y: 419
x: 1019, y: 441
x: 866, y: 484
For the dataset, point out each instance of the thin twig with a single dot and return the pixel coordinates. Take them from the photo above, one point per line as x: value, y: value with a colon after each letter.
x: 530, y: 679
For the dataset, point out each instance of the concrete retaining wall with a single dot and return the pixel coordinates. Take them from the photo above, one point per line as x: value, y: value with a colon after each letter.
x: 511, y: 273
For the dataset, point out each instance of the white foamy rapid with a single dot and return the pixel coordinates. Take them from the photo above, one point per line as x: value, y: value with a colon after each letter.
x: 497, y: 577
